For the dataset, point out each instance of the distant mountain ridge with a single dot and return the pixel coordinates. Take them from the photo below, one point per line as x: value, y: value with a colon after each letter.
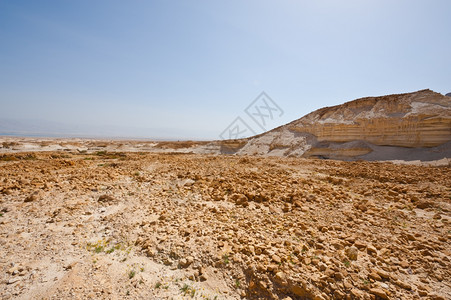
x: 402, y: 126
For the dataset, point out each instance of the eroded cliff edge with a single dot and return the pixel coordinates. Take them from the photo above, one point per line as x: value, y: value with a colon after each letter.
x: 402, y: 126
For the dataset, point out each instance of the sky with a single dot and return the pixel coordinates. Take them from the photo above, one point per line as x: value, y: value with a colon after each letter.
x: 188, y: 69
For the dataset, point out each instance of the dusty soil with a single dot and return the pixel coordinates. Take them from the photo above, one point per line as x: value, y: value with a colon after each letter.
x: 173, y: 226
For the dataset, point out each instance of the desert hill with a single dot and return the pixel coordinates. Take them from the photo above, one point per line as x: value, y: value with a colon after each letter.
x: 403, y: 126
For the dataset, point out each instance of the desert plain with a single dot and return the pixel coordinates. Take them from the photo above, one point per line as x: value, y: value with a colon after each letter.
x: 93, y: 223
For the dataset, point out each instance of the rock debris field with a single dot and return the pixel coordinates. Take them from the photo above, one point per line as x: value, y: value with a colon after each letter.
x: 112, y: 225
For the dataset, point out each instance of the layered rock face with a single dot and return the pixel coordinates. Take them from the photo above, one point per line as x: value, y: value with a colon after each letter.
x: 419, y: 120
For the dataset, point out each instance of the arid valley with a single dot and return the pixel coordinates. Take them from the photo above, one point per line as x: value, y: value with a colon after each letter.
x: 140, y: 225
x: 225, y: 150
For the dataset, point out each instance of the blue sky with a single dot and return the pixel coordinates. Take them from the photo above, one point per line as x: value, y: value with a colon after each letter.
x: 186, y: 69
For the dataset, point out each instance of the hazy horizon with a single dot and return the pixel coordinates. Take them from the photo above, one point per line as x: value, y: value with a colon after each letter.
x: 182, y: 70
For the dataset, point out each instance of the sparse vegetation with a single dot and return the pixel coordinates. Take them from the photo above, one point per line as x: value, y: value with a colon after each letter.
x: 225, y: 258
x: 186, y: 289
x: 237, y: 283
x: 103, y: 246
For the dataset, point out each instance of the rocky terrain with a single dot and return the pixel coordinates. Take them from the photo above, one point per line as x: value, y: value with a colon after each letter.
x: 79, y: 224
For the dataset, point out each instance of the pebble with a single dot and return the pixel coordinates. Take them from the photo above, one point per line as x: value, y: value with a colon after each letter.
x: 379, y: 292
x: 352, y: 253
x: 371, y: 250
x: 276, y: 259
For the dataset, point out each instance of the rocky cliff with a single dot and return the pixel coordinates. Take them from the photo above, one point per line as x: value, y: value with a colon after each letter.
x: 402, y: 126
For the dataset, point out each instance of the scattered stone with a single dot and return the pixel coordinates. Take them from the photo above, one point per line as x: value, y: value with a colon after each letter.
x: 186, y: 262
x: 379, y: 292
x: 383, y: 274
x: 32, y: 197
x: 106, y: 198
x: 375, y: 276
x: 276, y: 259
x: 14, y: 280
x: 352, y: 253
x: 403, y: 285
x: 371, y: 250
x: 423, y: 204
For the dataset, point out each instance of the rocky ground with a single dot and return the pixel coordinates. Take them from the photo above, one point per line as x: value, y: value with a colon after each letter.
x: 105, y: 225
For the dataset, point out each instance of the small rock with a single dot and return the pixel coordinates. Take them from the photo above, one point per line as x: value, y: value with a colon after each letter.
x: 276, y: 258
x: 299, y: 290
x: 348, y: 285
x: 359, y: 245
x: 371, y: 250
x: 151, y: 252
x: 379, y: 292
x: 339, y: 294
x: 280, y: 277
x: 188, y: 182
x: 434, y: 296
x: 383, y: 274
x: 311, y: 198
x: 405, y: 264
x: 384, y: 285
x: 106, y: 198
x: 352, y: 253
x: 424, y: 204
x: 437, y: 216
x: 404, y: 285
x: 337, y: 244
x: 186, y: 262
x: 339, y: 276
x: 13, y: 280
x: 422, y: 293
x: 357, y: 293
x: 33, y: 197
x: 374, y: 276
x: 70, y: 266
x: 329, y: 272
